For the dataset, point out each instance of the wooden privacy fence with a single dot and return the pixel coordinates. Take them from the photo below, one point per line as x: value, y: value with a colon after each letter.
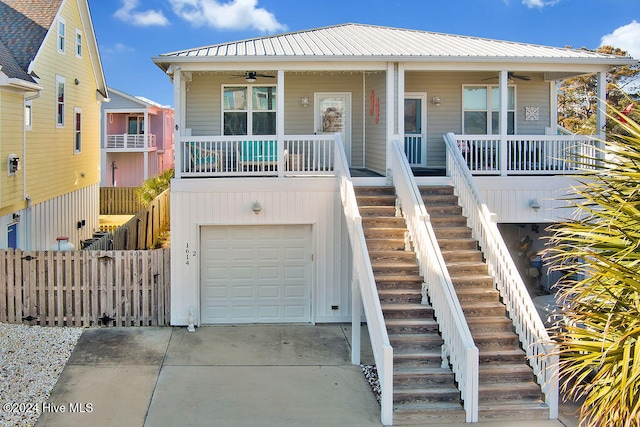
x: 119, y: 201
x: 85, y: 288
x: 140, y: 232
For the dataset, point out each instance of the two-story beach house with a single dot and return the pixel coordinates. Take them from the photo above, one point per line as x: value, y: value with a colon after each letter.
x: 51, y: 88
x: 137, y: 139
x: 357, y: 172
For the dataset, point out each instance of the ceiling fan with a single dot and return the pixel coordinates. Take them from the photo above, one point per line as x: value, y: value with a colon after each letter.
x: 511, y: 75
x: 251, y: 76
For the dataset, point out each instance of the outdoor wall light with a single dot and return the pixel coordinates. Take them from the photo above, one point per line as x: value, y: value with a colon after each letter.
x: 76, y: 81
x: 436, y: 101
x: 256, y: 208
x: 534, y: 204
x: 16, y: 217
x: 304, y: 101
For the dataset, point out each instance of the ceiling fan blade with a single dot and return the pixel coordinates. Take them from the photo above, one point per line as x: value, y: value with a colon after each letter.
x: 517, y: 76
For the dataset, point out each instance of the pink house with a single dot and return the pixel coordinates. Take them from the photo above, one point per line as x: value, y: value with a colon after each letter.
x: 137, y: 140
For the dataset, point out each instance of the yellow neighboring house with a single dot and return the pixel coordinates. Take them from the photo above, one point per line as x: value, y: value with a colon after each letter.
x: 51, y: 89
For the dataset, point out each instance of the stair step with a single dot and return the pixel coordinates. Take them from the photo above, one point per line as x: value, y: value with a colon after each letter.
x: 508, y: 391
x: 400, y: 296
x: 383, y: 222
x: 376, y: 200
x: 502, y: 356
x: 389, y: 244
x: 468, y: 255
x: 394, y: 281
x: 374, y: 190
x: 470, y: 294
x: 404, y: 311
x: 398, y: 268
x: 431, y: 413
x: 392, y: 256
x: 512, y: 411
x: 452, y: 232
x: 436, y: 190
x: 471, y: 309
x: 420, y: 377
x: 377, y: 211
x: 411, y: 326
x: 439, y: 199
x: 496, y: 339
x: 416, y: 359
x: 417, y: 395
x: 448, y: 221
x: 458, y: 244
x: 466, y: 268
x: 489, y: 324
x: 500, y: 373
x: 384, y: 233
x: 444, y: 210
x: 416, y: 342
x: 476, y: 280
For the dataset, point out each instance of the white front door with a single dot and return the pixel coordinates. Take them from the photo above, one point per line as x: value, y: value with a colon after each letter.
x: 255, y: 274
x: 415, y: 128
x: 333, y: 115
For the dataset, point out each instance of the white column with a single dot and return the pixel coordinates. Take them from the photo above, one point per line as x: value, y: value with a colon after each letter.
x: 280, y: 121
x: 553, y: 112
x: 179, y: 120
x: 390, y: 109
x: 356, y: 310
x: 145, y: 167
x: 504, y: 103
x: 601, y: 115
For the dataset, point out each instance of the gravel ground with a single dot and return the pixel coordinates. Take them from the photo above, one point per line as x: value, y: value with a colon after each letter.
x: 371, y: 374
x: 31, y: 359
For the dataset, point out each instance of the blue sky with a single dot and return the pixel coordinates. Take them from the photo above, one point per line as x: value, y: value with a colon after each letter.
x: 131, y: 32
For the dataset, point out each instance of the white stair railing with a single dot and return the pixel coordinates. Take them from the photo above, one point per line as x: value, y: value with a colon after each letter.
x: 459, y: 346
x: 528, y: 325
x: 382, y: 350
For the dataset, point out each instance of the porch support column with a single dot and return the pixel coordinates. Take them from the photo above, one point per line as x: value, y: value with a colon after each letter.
x: 390, y: 111
x: 356, y: 311
x: 178, y: 119
x: 280, y: 122
x: 145, y: 167
x: 553, y: 112
x: 504, y: 94
x: 400, y: 97
x: 601, y: 113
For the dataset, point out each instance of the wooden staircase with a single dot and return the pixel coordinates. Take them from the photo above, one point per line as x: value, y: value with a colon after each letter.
x: 507, y: 389
x: 424, y: 391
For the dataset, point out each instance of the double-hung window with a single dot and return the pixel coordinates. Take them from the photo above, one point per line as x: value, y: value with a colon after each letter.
x: 77, y: 130
x: 249, y: 110
x: 481, y: 110
x: 62, y: 28
x: 59, y: 101
x: 78, y: 50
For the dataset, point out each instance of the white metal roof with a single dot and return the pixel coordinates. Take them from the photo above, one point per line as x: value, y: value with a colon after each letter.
x: 357, y: 41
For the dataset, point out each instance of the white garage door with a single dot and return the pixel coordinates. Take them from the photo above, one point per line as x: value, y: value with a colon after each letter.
x: 255, y: 274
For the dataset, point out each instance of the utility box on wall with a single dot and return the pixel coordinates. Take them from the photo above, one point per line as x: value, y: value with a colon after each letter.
x: 13, y: 164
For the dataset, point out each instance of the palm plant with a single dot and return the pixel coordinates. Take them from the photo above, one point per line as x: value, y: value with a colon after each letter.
x: 598, y: 250
x: 154, y: 186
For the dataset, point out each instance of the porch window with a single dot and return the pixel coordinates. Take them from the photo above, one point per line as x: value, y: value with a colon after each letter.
x: 254, y: 116
x: 59, y: 101
x: 481, y: 114
x: 136, y: 125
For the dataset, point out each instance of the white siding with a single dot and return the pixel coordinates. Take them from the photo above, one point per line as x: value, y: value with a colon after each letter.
x: 314, y: 202
x: 376, y: 133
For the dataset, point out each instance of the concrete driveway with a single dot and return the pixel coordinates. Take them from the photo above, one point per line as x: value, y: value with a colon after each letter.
x: 258, y: 375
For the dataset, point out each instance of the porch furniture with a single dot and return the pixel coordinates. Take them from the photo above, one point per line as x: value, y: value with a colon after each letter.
x: 257, y: 154
x: 202, y: 159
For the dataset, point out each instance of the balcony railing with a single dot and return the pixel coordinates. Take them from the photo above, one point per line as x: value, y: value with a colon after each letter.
x: 527, y: 154
x: 213, y: 156
x: 130, y: 142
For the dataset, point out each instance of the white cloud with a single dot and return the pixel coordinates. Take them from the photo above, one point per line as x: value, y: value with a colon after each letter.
x: 118, y: 48
x: 232, y: 15
x: 145, y: 18
x: 538, y: 3
x: 626, y: 38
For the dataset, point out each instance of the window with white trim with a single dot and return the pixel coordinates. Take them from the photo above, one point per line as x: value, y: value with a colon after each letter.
x: 78, y: 50
x: 77, y: 129
x: 62, y: 28
x: 59, y: 101
x: 481, y: 110
x: 254, y: 116
x: 28, y: 115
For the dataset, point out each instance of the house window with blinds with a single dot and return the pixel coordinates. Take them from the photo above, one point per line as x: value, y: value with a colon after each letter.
x: 249, y: 110
x: 481, y: 115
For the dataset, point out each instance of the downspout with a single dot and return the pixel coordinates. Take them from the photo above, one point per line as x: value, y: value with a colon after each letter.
x: 27, y: 217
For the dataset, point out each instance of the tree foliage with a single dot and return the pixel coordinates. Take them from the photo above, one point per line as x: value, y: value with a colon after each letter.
x: 154, y: 186
x: 599, y: 253
x: 578, y: 97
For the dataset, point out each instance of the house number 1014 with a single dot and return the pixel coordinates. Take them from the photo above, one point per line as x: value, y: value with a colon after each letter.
x: 188, y: 254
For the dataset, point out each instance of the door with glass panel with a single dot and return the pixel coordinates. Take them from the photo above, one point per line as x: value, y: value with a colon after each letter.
x: 333, y: 115
x: 415, y: 128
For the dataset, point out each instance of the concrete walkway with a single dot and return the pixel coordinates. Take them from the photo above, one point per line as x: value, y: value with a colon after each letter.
x: 258, y: 375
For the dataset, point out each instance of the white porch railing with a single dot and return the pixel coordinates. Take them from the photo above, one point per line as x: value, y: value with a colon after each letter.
x: 131, y: 142
x: 527, y: 154
x: 415, y: 149
x: 211, y: 156
x: 364, y: 289
x: 528, y: 325
x: 459, y: 346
